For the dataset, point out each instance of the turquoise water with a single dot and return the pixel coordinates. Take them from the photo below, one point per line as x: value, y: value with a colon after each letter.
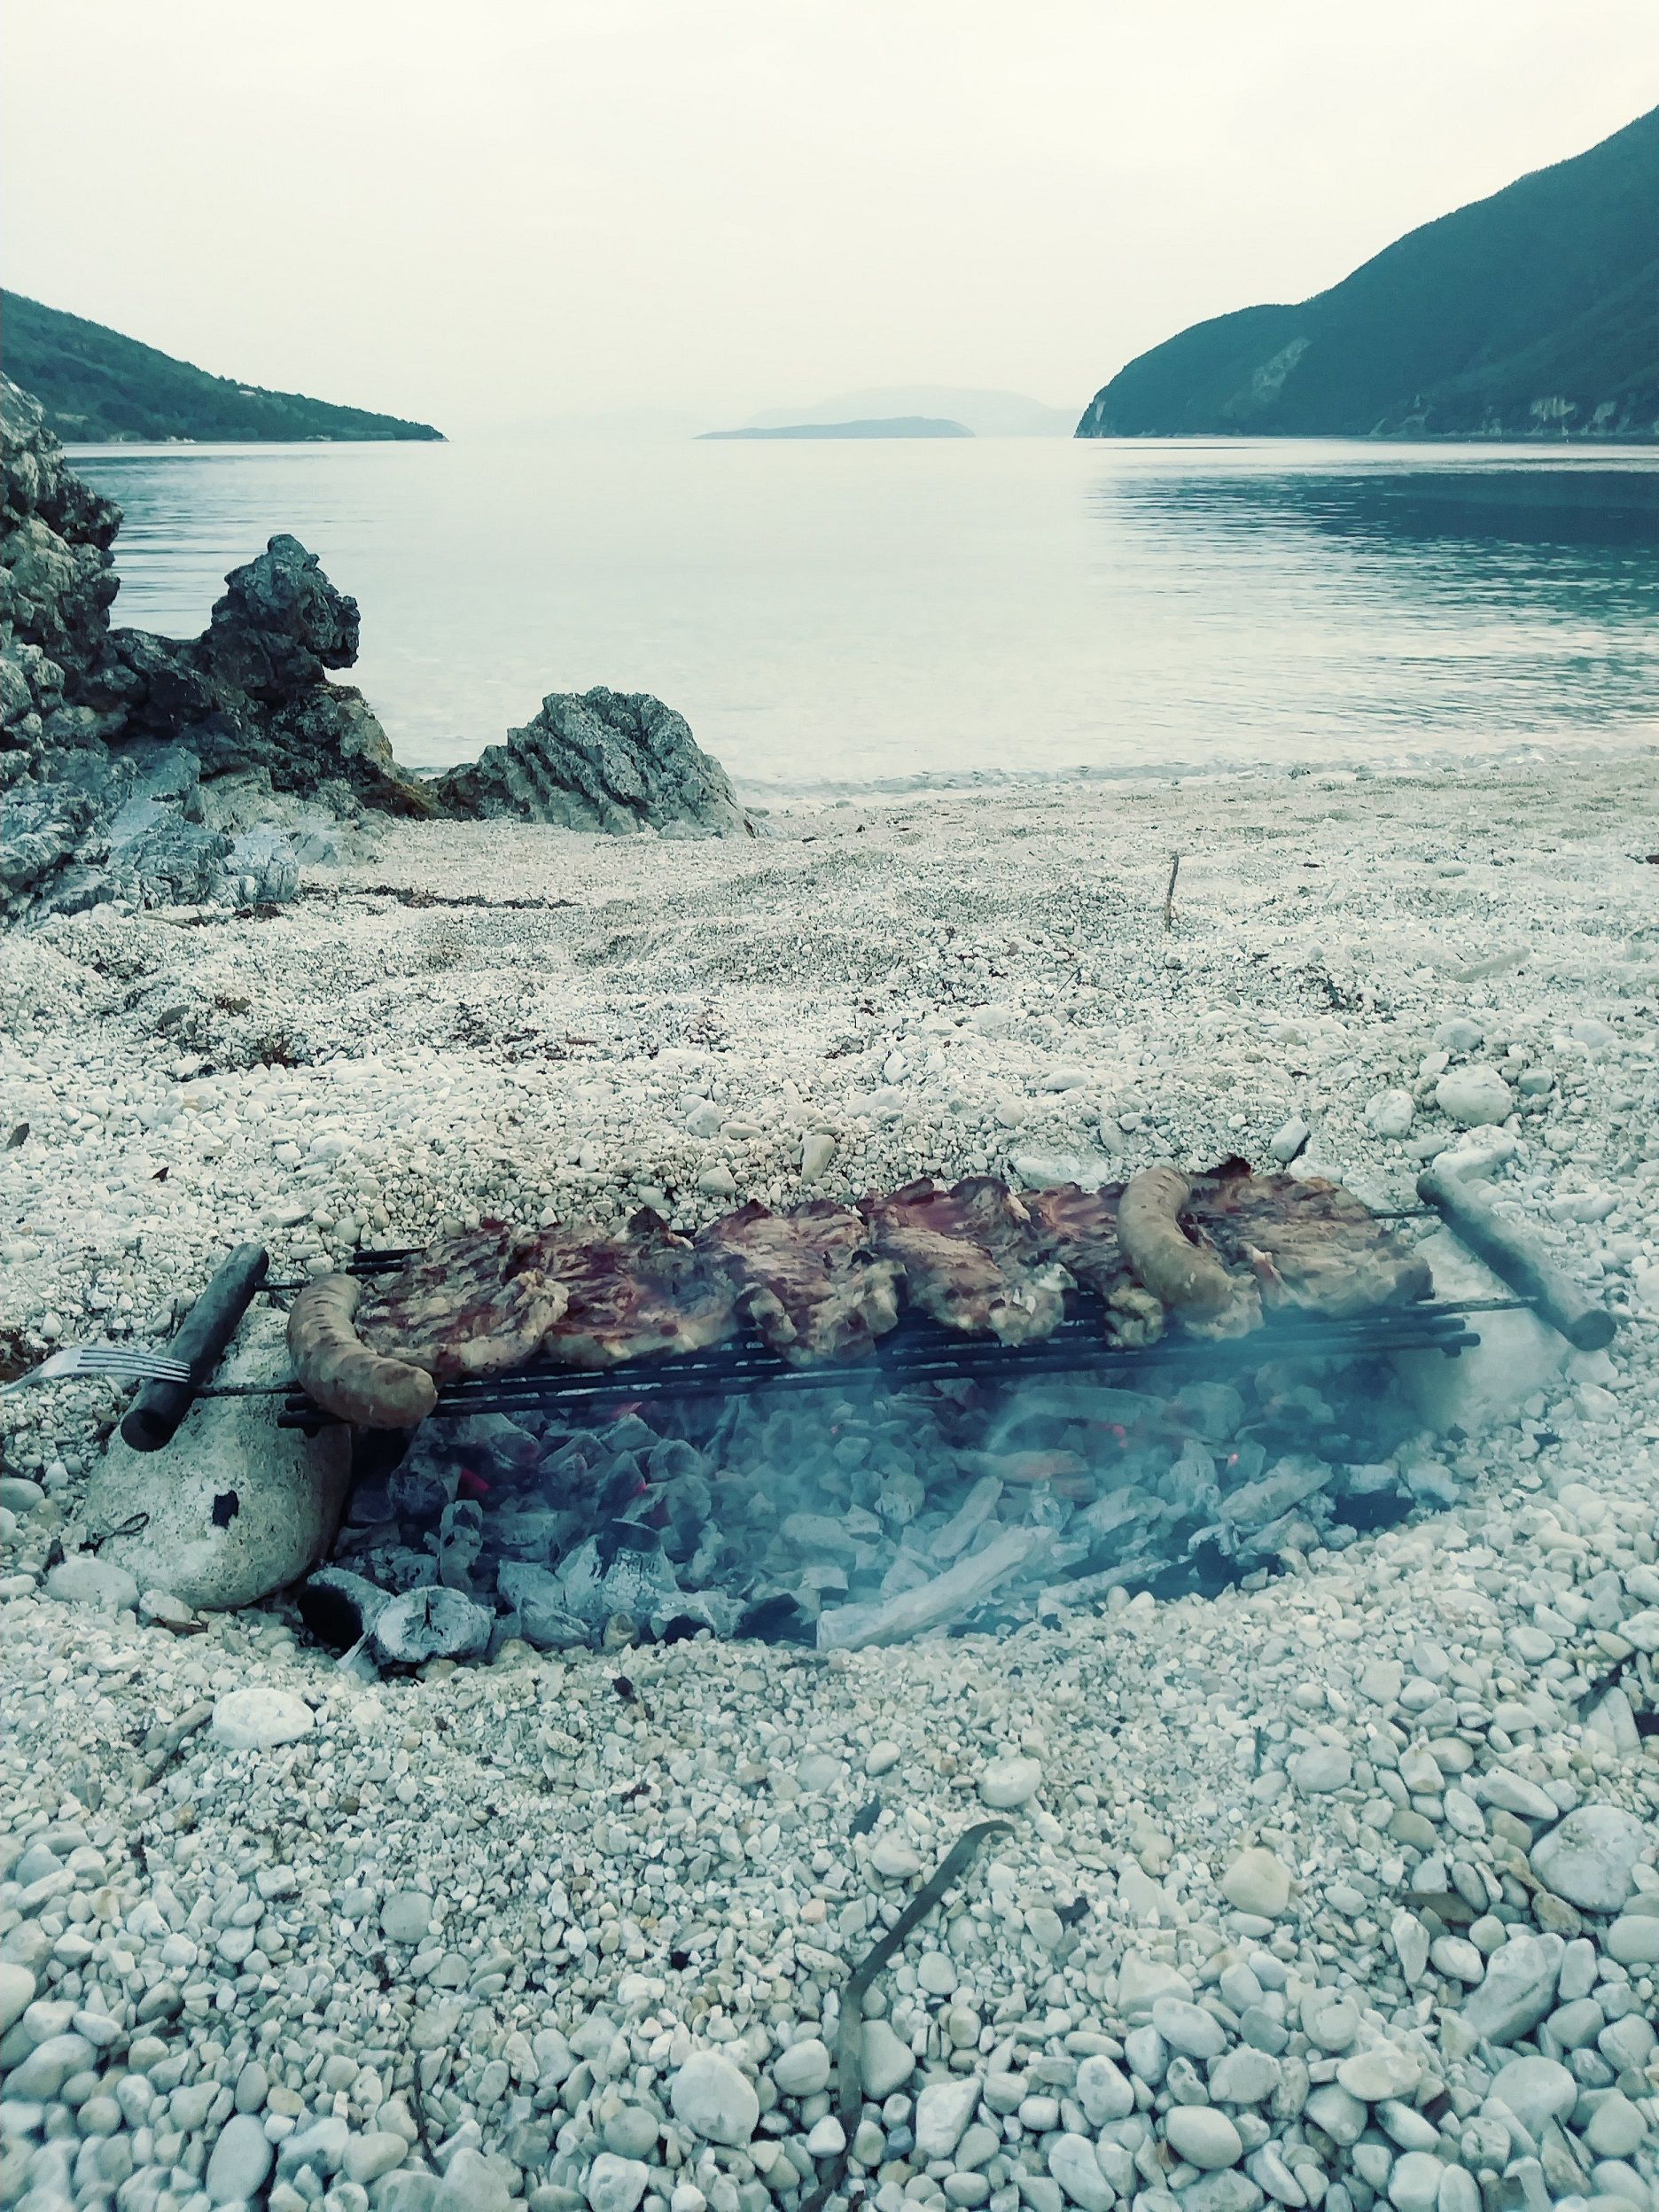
x: 849, y: 615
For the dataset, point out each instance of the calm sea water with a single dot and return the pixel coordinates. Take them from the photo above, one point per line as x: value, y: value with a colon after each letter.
x: 854, y: 615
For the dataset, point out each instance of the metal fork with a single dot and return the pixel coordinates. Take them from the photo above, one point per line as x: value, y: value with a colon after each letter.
x: 115, y: 1362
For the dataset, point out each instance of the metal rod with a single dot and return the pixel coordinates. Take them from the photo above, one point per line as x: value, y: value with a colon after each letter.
x: 1517, y: 1255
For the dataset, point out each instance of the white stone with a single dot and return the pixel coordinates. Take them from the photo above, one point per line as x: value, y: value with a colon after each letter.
x: 406, y: 1916
x: 260, y: 1717
x: 1382, y: 2071
x: 17, y: 1993
x: 1203, y: 2137
x: 235, y: 1507
x: 1257, y: 1882
x: 98, y: 1583
x: 1616, y: 2127
x: 1588, y: 1859
x: 615, y: 2185
x: 1474, y: 1096
x: 1410, y: 1946
x: 1244, y: 2076
x: 1415, y: 2184
x: 1007, y: 1783
x: 803, y: 2069
x: 714, y: 2098
x: 1104, y: 2091
x: 885, y: 2063
x: 818, y: 1149
x: 1534, y: 2090
x: 893, y: 1859
x: 1391, y: 1113
x: 1341, y: 2114
x: 1188, y: 2029
x: 1073, y: 2162
x: 1633, y: 1940
x: 827, y: 2138
x: 942, y: 2111
x: 241, y: 2159
x: 1321, y: 1769
x: 1518, y: 1991
x: 1290, y: 1139
x: 366, y: 2157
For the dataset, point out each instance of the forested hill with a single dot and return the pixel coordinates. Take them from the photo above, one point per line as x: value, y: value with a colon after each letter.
x: 1534, y: 313
x: 95, y: 384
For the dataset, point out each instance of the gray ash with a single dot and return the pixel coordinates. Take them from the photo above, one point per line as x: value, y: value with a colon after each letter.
x: 866, y: 1517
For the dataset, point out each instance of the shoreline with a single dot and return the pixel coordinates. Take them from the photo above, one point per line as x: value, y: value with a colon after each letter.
x: 480, y: 1919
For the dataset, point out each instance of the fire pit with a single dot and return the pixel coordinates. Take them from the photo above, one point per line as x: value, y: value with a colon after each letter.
x: 947, y: 1412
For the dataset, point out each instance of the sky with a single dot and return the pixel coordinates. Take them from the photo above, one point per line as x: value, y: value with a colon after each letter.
x: 487, y: 212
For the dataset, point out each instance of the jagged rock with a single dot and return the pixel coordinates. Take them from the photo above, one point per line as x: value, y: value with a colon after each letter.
x: 611, y: 760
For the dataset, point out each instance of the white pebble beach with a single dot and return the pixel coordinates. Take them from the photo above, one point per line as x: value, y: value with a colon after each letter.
x: 1336, y: 1888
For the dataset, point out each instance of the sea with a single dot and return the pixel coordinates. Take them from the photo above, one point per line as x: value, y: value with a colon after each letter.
x: 838, y: 617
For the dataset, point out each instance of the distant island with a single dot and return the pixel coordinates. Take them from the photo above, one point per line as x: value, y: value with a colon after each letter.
x: 879, y: 426
x: 98, y: 387
x: 987, y: 413
x: 1532, y: 314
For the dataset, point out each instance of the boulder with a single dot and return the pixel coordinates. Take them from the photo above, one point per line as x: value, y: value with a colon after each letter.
x: 234, y: 1508
x: 611, y: 761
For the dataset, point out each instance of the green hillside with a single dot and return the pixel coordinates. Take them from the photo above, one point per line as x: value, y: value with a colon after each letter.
x: 95, y: 385
x: 1534, y: 313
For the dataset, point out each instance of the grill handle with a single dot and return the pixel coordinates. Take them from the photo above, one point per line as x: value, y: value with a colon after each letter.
x: 1519, y: 1259
x: 153, y: 1417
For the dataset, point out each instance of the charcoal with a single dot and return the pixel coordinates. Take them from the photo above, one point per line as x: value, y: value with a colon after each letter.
x: 430, y: 1624
x: 340, y: 1608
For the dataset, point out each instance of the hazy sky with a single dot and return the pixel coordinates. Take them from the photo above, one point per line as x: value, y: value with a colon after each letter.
x: 481, y: 210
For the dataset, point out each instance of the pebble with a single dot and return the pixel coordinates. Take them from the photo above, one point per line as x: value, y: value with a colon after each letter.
x: 406, y: 1916
x: 943, y: 2109
x: 893, y: 1859
x: 1203, y: 2137
x: 258, y: 1717
x: 241, y: 2160
x: 96, y: 1582
x: 1416, y: 2182
x: 1257, y: 1882
x: 17, y: 1992
x: 1590, y: 1857
x: 1518, y: 1991
x: 715, y: 2099
x: 1474, y: 1096
x: 1382, y: 2071
x: 885, y: 2063
x: 1188, y: 2028
x: 1103, y: 2091
x: 1073, y: 2164
x: 616, y: 2185
x: 1633, y: 1940
x: 1006, y: 1784
x: 804, y: 2068
x: 1534, y: 2090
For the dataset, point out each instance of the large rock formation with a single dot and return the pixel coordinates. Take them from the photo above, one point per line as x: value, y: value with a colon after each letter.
x: 614, y: 760
x: 205, y: 770
x: 107, y: 737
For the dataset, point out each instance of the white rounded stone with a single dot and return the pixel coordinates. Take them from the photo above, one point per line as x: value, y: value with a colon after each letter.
x: 615, y: 2185
x: 241, y: 2157
x: 803, y: 2069
x: 885, y: 2063
x: 713, y: 2097
x: 1589, y: 1858
x: 1202, y: 2136
x: 942, y: 2111
x: 1104, y: 2091
x: 1475, y: 1097
x: 1257, y: 1882
x: 1534, y: 2090
x: 1007, y: 1783
x: 17, y: 1993
x: 1382, y: 2072
x: 260, y: 1717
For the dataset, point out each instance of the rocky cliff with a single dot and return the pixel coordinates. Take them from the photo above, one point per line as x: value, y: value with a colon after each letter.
x: 159, y: 769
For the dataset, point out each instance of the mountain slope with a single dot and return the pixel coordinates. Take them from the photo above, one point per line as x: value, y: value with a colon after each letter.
x: 95, y: 384
x: 1534, y: 312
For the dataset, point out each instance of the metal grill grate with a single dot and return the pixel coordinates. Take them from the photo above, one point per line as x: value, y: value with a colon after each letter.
x: 920, y: 1350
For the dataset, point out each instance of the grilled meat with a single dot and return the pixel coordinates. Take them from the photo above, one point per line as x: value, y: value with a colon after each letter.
x: 972, y: 1257
x: 1079, y: 1229
x: 477, y: 1302
x: 644, y: 1295
x: 1309, y: 1243
x: 808, y: 1281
